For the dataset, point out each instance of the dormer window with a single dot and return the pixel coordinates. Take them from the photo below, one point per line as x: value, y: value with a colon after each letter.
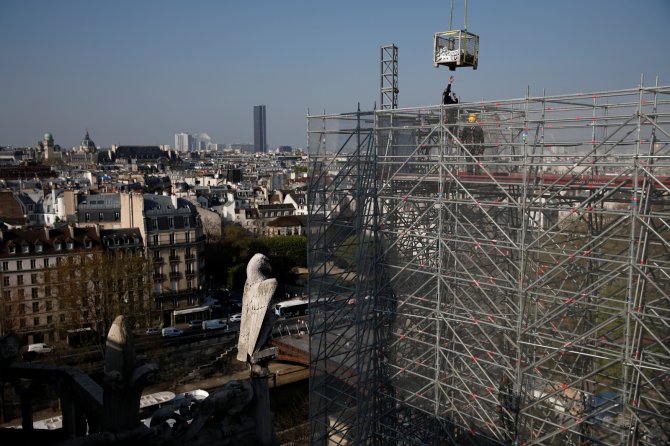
x: 25, y: 248
x: 38, y: 247
x: 12, y: 249
x: 87, y: 243
x: 58, y: 246
x: 70, y: 244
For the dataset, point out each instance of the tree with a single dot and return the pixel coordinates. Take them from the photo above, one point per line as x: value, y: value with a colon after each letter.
x: 92, y: 288
x: 226, y: 258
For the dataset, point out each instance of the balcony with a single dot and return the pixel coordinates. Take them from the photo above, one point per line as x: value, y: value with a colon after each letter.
x: 175, y: 259
x: 159, y: 277
x: 175, y: 275
x: 189, y: 257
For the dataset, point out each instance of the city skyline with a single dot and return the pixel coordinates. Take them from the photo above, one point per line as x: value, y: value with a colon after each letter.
x: 110, y: 68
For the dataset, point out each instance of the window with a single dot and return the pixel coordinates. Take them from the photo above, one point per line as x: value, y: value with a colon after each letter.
x: 21, y: 293
x: 157, y: 254
x: 155, y: 237
x: 33, y: 293
x: 19, y: 265
x: 22, y: 323
x: 12, y: 249
x: 5, y: 281
x: 47, y: 291
x: 5, y: 266
x: 171, y: 222
x: 172, y: 239
x: 7, y: 294
x: 33, y: 278
x: 36, y: 321
x: 117, y: 216
x: 19, y: 279
x: 58, y: 246
x: 33, y: 264
x: 38, y: 247
x: 189, y: 284
x: 154, y: 223
x: 50, y: 319
x: 186, y: 222
x: 88, y: 243
x: 49, y: 305
x: 70, y: 244
x: 36, y: 307
x: 101, y: 216
x: 188, y: 237
x: 25, y: 248
x: 62, y: 317
x: 46, y: 262
x: 173, y: 254
x: 87, y: 216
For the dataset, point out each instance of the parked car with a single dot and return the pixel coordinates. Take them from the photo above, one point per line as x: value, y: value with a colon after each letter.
x: 196, y: 323
x: 169, y: 332
x: 153, y: 331
x: 235, y: 317
x: 40, y: 347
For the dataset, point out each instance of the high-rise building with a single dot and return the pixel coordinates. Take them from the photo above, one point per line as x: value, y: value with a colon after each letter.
x: 183, y: 142
x: 260, y: 133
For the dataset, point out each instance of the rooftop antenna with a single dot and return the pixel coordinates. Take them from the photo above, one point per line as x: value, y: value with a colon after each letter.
x: 456, y: 47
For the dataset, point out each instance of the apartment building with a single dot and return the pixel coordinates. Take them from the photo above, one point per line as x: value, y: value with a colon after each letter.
x: 176, y: 244
x: 56, y: 281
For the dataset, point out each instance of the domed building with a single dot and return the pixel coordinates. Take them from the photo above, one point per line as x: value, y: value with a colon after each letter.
x: 87, y: 145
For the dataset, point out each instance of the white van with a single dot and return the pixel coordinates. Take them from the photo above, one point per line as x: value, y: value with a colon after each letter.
x: 214, y: 324
x: 171, y: 332
x: 40, y: 347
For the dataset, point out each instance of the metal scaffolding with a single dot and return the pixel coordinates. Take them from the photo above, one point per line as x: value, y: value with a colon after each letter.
x: 388, y: 96
x: 502, y: 279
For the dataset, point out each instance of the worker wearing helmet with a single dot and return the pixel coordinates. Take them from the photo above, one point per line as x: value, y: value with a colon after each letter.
x: 472, y: 138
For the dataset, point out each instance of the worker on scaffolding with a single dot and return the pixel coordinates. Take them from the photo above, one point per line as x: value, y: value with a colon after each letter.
x: 451, y: 113
x: 448, y: 96
x: 472, y: 138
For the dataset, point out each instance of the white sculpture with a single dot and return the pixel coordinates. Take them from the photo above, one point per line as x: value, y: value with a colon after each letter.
x: 257, y: 315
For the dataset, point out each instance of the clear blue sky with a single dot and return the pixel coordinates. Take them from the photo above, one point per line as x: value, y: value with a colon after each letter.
x: 138, y: 71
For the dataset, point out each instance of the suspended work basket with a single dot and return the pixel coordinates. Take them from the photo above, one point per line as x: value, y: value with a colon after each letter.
x: 456, y: 48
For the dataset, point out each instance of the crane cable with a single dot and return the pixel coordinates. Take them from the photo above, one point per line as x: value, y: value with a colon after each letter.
x: 451, y: 16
